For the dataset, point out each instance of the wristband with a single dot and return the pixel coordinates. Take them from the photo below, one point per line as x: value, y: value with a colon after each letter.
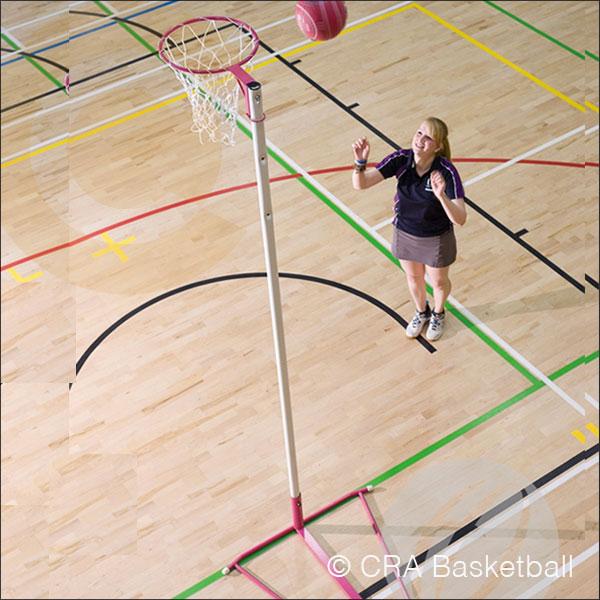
x: 360, y: 162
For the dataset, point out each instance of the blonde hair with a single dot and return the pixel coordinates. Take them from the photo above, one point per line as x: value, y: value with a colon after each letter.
x: 439, y: 130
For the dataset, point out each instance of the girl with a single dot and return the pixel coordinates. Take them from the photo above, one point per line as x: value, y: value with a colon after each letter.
x: 429, y: 202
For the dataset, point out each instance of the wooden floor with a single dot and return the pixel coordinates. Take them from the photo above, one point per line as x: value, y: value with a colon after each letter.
x: 142, y: 446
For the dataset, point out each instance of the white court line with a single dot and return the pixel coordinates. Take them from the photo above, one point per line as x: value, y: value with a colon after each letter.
x: 591, y: 400
x: 507, y: 164
x: 518, y: 357
x: 58, y: 12
x: 111, y: 8
x: 12, y: 38
x: 76, y: 99
x: 384, y: 242
x: 6, y: 57
x: 74, y: 134
x: 73, y: 100
x: 544, y: 583
x: 498, y: 520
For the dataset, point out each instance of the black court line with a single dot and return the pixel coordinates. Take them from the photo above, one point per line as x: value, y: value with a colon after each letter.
x: 54, y: 90
x: 100, y: 73
x: 525, y: 245
x: 521, y: 232
x: 591, y: 280
x: 484, y: 518
x: 34, y: 98
x: 392, y: 313
x: 329, y: 95
x: 394, y: 145
x: 117, y: 19
x: 347, y: 109
x: 37, y: 57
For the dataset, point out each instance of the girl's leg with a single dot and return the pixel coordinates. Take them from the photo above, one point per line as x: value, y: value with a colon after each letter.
x: 415, y: 277
x: 441, y: 284
x: 441, y: 290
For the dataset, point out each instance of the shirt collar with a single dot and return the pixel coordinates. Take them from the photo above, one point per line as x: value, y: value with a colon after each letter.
x: 434, y: 165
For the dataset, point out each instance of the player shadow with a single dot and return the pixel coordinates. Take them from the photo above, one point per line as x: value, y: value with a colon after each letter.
x: 540, y: 304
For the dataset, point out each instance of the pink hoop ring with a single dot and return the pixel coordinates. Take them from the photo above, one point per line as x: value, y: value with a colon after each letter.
x: 240, y: 24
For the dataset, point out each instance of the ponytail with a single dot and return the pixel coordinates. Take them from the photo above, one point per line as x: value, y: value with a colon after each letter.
x: 439, y: 129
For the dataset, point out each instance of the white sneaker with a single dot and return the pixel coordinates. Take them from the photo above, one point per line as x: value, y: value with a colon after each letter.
x: 436, y: 326
x: 414, y: 328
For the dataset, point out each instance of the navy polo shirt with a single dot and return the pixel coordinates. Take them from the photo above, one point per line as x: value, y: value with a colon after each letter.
x: 416, y: 207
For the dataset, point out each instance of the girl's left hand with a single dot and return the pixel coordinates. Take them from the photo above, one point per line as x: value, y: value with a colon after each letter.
x: 438, y: 183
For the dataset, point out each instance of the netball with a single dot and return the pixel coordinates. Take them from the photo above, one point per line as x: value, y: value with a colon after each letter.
x: 321, y: 21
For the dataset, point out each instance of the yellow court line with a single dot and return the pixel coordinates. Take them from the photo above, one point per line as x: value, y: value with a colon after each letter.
x: 17, y: 277
x: 579, y: 435
x: 504, y: 60
x: 592, y: 428
x: 114, y: 247
x: 344, y: 32
x: 8, y: 163
x: 302, y: 49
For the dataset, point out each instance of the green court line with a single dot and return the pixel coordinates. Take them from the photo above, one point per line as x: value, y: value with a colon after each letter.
x: 590, y: 357
x: 588, y: 53
x: 456, y: 312
x: 418, y: 456
x: 455, y: 434
x: 493, y: 345
x: 580, y: 361
x: 529, y: 26
x: 127, y: 28
x: 479, y: 420
x: 200, y: 585
x: 35, y: 64
x: 537, y: 384
x: 490, y: 342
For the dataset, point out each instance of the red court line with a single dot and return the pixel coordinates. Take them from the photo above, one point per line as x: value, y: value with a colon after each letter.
x: 156, y: 211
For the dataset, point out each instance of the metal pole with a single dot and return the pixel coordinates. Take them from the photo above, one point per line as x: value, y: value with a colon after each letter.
x: 257, y: 116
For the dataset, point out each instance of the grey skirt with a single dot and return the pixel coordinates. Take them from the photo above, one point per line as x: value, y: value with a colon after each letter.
x: 437, y: 251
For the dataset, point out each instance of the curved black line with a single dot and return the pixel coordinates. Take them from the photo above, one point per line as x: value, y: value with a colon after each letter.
x: 347, y: 109
x: 106, y: 71
x: 190, y: 286
x: 80, y: 81
x: 38, y: 57
x: 484, y: 518
x: 118, y: 19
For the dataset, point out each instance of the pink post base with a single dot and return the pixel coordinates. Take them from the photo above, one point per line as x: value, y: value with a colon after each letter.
x: 382, y: 541
x: 297, y: 512
x: 323, y: 558
x: 313, y: 545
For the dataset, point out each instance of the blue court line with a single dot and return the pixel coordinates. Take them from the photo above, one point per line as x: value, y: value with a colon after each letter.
x: 77, y: 35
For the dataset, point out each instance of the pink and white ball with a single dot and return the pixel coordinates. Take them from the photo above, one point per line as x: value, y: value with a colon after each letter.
x: 321, y: 21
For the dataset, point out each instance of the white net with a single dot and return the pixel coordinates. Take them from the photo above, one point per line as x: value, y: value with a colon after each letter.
x: 207, y: 45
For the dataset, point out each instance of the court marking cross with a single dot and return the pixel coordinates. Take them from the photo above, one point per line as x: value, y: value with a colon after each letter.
x: 114, y: 247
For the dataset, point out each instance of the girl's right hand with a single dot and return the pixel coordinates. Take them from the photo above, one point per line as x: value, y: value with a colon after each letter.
x: 361, y: 149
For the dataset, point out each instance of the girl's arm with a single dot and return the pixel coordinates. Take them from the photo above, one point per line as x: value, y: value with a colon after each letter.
x: 363, y: 178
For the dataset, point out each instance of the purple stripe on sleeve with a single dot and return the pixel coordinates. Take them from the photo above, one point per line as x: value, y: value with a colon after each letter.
x: 399, y: 154
x: 450, y: 169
